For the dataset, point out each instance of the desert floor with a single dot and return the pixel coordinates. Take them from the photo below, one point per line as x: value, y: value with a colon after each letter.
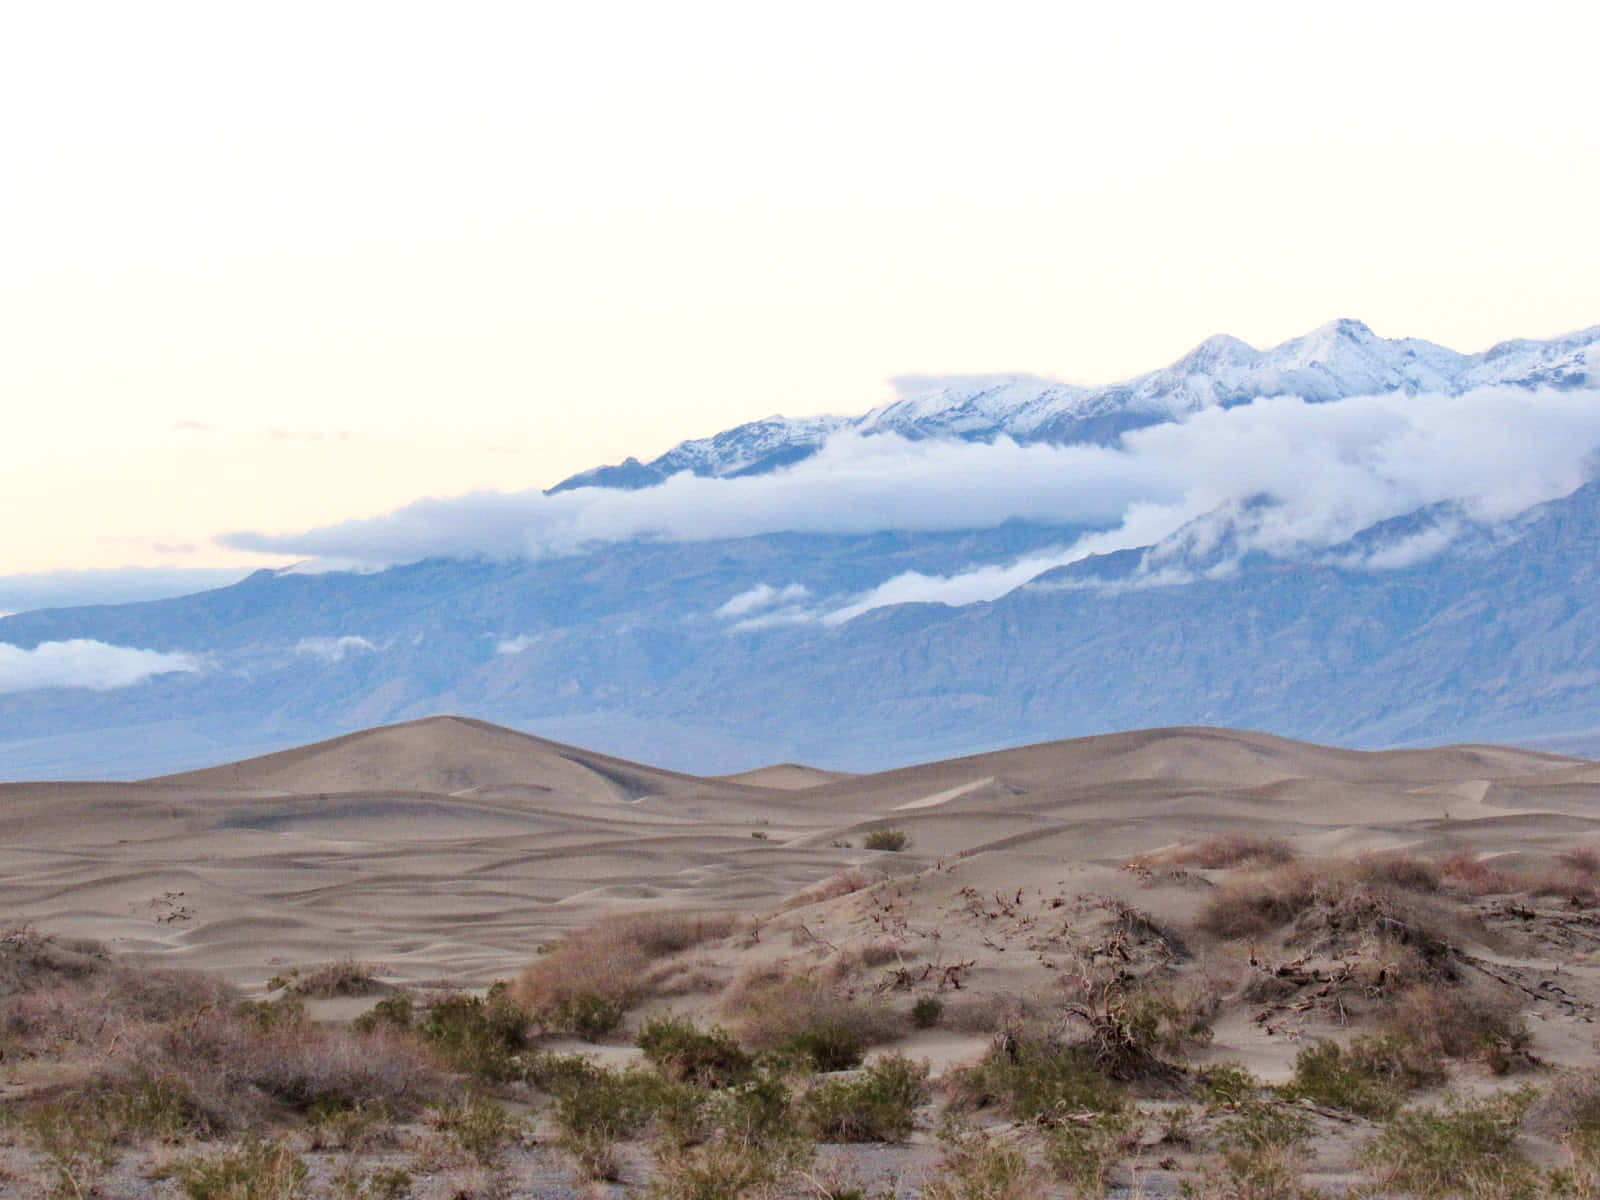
x: 1036, y: 884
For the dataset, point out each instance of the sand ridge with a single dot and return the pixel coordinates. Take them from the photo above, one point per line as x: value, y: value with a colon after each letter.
x: 450, y: 848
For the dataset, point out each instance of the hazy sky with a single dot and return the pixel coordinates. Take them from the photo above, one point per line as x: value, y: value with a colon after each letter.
x: 278, y: 266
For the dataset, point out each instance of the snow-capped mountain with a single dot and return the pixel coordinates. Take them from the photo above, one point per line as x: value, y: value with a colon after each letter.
x: 1446, y: 586
x: 1338, y: 360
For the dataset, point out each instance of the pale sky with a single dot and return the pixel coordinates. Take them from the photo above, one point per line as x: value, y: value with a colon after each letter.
x: 273, y: 267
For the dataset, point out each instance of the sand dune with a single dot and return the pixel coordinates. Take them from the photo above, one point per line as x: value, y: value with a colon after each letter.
x: 453, y: 848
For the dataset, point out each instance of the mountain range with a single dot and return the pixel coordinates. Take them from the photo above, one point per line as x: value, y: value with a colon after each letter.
x: 1433, y: 617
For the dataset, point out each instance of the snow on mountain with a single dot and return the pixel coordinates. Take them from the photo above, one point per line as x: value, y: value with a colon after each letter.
x: 1340, y: 359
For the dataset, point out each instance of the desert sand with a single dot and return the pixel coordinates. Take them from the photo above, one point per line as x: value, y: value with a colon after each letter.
x: 449, y: 853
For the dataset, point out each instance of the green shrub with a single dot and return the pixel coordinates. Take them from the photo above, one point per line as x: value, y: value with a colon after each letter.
x: 1037, y: 1080
x: 1225, y: 1084
x: 392, y: 1012
x: 685, y: 1054
x: 925, y: 1013
x: 830, y: 1046
x: 480, y: 1036
x: 1371, y: 1077
x: 590, y: 1017
x: 878, y: 1106
x: 1466, y: 1148
x: 886, y: 839
x: 476, y: 1126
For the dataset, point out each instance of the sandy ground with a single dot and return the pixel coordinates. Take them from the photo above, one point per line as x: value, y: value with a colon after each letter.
x: 448, y: 852
x: 447, y: 849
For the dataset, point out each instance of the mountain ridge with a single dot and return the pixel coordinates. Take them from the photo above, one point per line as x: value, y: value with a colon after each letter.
x: 1337, y: 360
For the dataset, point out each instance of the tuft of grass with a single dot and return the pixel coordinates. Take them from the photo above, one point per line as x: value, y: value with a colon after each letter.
x: 1465, y: 1148
x: 925, y: 1013
x: 1437, y: 1022
x: 686, y: 1054
x: 256, y: 1170
x: 886, y: 839
x: 879, y: 1105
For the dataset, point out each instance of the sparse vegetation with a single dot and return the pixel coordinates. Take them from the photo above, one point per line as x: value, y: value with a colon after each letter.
x: 886, y: 839
x: 685, y: 1054
x: 1465, y: 1148
x: 927, y: 1010
x: 1230, y: 850
x: 589, y: 980
x: 347, y: 977
x: 976, y: 1166
x: 878, y: 1105
x: 255, y: 1170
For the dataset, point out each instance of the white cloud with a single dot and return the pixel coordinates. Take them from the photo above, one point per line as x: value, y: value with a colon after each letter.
x: 518, y: 644
x: 333, y: 649
x: 764, y: 595
x: 1286, y: 477
x: 81, y: 663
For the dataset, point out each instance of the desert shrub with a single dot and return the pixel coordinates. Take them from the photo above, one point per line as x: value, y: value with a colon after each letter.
x: 1255, y: 906
x: 1371, y: 1077
x: 925, y: 1013
x: 886, y: 839
x: 607, y: 1108
x: 717, y: 1170
x: 1401, y: 871
x: 1337, y: 904
x: 1138, y: 1034
x: 600, y: 970
x: 1572, y: 877
x: 1569, y: 1113
x: 1038, y: 1080
x: 977, y: 1167
x: 1466, y: 1148
x: 392, y: 1012
x: 685, y: 1054
x: 1225, y: 1084
x: 1232, y: 850
x: 1264, y: 1153
x: 482, y: 1036
x: 879, y: 1105
x: 558, y: 1074
x: 778, y: 1007
x: 300, y: 1065
x: 380, y: 1183
x: 829, y: 1046
x: 1434, y: 1021
x: 257, y: 1170
x: 347, y: 977
x: 854, y: 879
x: 476, y: 1126
x: 1470, y: 874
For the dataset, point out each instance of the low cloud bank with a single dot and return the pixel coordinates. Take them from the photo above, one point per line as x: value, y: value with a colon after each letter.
x: 82, y: 663
x: 333, y: 649
x: 1292, y: 478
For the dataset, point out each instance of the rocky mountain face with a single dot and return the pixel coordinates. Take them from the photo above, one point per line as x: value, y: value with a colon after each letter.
x: 704, y: 656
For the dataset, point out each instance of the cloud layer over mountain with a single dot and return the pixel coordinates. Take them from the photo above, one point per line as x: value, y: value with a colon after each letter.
x: 1307, y: 475
x: 84, y: 663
